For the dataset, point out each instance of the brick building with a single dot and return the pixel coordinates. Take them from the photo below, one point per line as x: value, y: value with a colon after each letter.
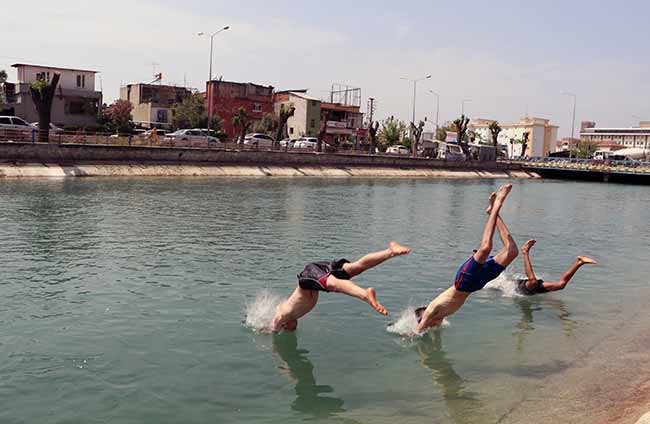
x: 224, y: 98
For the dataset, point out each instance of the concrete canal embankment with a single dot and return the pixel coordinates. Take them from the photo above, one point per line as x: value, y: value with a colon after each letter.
x: 71, y: 160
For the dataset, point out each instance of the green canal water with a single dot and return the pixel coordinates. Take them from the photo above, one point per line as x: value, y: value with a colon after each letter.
x: 122, y: 300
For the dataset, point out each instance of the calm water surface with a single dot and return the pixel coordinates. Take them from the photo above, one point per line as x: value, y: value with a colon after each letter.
x: 122, y: 300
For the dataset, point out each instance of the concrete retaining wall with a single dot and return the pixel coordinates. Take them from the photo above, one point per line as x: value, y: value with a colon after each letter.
x: 53, y: 160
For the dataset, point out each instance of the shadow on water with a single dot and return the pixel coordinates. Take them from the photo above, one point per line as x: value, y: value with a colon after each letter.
x: 462, y: 405
x: 301, y: 371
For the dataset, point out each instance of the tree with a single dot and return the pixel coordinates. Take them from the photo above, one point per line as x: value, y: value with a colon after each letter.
x: 584, y: 149
x: 441, y: 134
x: 117, y: 117
x: 417, y: 133
x: 190, y: 112
x: 372, y: 132
x: 285, y: 112
x: 266, y: 125
x: 495, y: 130
x: 3, y: 95
x: 242, y: 121
x: 524, y: 144
x: 460, y: 126
x: 392, y: 131
x: 42, y: 93
x: 324, y: 118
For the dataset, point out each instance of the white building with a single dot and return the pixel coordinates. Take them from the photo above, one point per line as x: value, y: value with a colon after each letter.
x: 635, y: 137
x: 541, y: 135
x: 76, y: 102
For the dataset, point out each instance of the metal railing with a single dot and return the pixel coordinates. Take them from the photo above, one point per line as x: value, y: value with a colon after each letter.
x: 106, y: 139
x: 587, y: 165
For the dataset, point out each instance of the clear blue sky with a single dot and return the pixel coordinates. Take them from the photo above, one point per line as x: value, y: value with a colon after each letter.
x: 508, y: 57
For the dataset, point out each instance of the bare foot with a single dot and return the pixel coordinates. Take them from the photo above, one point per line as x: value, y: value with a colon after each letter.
x: 527, y: 246
x: 371, y: 298
x: 586, y: 260
x: 397, y: 249
x: 503, y: 193
x: 493, y: 197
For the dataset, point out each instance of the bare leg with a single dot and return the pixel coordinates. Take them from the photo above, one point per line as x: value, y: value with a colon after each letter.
x: 510, y: 251
x: 371, y: 260
x: 348, y: 287
x: 484, y: 250
x: 566, y: 277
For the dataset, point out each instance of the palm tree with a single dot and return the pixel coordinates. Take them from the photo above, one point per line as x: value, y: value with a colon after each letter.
x: 417, y: 133
x: 372, y: 132
x: 241, y: 120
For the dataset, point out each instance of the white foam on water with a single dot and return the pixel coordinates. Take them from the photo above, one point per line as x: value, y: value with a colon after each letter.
x: 260, y: 312
x: 506, y: 284
x: 407, y: 324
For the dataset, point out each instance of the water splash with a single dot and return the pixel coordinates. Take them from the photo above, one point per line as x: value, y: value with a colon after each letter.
x: 506, y: 284
x: 407, y: 324
x: 260, y: 312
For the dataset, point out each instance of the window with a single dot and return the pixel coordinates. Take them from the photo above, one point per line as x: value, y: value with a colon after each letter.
x: 161, y: 115
x: 78, y: 80
x: 5, y: 121
x: 312, y: 124
x: 18, y: 121
x: 75, y: 108
x: 83, y: 81
x: 291, y: 130
x: 257, y: 107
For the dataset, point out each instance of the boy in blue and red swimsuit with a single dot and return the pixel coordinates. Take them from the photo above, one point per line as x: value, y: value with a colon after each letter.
x: 478, y: 270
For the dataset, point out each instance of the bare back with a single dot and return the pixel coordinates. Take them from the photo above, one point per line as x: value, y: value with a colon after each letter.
x: 299, y: 304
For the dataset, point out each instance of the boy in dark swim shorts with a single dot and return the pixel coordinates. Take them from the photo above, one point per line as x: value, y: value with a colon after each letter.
x: 478, y: 270
x: 532, y: 285
x: 332, y: 276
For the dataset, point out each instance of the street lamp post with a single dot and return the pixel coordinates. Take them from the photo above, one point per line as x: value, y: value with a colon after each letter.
x: 415, y: 85
x: 437, y: 107
x: 209, y: 91
x: 573, y: 119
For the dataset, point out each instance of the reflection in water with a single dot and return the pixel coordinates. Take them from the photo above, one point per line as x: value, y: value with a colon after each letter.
x: 462, y: 405
x: 528, y: 306
x: 301, y: 371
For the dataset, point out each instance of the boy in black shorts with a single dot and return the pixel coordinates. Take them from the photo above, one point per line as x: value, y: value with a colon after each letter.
x: 532, y: 285
x: 332, y: 277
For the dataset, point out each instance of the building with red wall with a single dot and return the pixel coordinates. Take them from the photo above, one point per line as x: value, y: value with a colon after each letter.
x: 224, y: 98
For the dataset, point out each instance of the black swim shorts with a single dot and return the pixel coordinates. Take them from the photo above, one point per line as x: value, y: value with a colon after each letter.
x: 314, y: 276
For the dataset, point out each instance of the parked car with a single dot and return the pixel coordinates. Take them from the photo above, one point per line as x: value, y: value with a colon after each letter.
x: 451, y: 152
x: 190, y: 138
x: 53, y: 128
x: 287, y: 143
x: 307, y: 143
x: 259, y: 140
x: 398, y: 149
x: 14, y: 128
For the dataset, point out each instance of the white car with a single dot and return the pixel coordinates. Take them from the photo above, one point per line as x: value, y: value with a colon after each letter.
x: 259, y: 140
x: 307, y: 143
x: 190, y: 138
x: 287, y: 143
x: 53, y: 128
x: 398, y: 149
x: 15, y: 128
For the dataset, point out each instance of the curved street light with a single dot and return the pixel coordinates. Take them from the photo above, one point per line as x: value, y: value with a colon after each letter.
x: 209, y: 91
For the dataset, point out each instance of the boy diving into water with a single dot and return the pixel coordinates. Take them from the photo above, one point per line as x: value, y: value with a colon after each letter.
x: 532, y: 285
x: 332, y: 277
x: 477, y: 271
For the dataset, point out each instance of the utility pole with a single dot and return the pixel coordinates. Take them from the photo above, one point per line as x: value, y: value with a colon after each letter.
x: 371, y: 109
